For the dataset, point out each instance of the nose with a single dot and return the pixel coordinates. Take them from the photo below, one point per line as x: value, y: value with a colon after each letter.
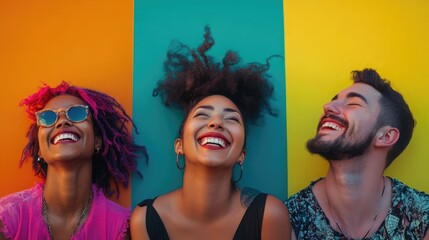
x: 62, y: 120
x: 332, y: 107
x: 216, y: 122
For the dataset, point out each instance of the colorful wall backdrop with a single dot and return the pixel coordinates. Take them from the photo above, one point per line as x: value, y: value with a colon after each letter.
x: 253, y: 28
x: 88, y: 43
x: 325, y: 40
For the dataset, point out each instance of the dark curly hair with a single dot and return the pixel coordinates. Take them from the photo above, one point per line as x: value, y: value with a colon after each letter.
x: 191, y: 75
x: 394, y: 110
x: 117, y: 157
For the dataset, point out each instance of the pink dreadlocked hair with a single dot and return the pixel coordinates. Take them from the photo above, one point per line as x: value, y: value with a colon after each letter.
x: 117, y: 158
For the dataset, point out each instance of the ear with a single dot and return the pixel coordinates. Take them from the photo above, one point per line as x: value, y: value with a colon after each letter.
x: 178, y: 146
x: 242, y: 157
x: 387, y: 136
x: 98, y: 142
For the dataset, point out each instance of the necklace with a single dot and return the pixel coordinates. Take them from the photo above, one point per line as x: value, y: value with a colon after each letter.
x: 45, y: 214
x: 373, y: 221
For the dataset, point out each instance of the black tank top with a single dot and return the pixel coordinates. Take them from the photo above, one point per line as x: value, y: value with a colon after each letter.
x: 250, y: 226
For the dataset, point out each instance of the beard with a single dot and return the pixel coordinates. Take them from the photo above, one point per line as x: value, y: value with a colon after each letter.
x: 339, y: 148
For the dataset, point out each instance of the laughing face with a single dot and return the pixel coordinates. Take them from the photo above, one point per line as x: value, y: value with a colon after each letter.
x: 213, y: 133
x: 67, y: 140
x: 348, y: 125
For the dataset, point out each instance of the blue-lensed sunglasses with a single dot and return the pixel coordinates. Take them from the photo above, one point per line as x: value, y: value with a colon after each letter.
x: 75, y: 113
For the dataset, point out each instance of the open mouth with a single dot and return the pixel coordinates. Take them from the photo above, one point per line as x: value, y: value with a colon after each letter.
x: 65, y: 137
x: 332, y: 122
x: 213, y: 140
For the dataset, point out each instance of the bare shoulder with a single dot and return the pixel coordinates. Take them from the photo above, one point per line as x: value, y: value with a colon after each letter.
x: 276, y: 223
x: 161, y: 205
x: 139, y: 214
x: 274, y: 208
x: 138, y: 223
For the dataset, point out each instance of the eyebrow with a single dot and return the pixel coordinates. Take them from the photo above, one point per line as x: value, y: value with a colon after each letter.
x: 352, y: 95
x: 212, y: 108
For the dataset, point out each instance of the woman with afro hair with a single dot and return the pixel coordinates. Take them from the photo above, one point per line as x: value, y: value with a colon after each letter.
x: 218, y: 100
x: 79, y: 144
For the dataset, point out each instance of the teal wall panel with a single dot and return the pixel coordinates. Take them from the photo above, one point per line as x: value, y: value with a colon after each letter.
x: 254, y: 29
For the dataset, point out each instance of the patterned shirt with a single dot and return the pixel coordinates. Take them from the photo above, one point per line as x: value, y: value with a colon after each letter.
x: 408, y: 217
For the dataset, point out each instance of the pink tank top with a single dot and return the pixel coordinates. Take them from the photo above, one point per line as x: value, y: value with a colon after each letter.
x: 21, y: 217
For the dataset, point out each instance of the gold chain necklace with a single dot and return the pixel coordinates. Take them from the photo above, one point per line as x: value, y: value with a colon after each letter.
x: 373, y: 221
x: 48, y: 224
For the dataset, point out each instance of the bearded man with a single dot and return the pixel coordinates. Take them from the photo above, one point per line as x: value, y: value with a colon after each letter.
x: 362, y: 130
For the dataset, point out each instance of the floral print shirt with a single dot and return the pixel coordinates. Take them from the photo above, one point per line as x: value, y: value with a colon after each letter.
x: 408, y: 217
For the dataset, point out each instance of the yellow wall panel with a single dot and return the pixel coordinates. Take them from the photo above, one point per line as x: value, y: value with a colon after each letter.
x: 324, y: 42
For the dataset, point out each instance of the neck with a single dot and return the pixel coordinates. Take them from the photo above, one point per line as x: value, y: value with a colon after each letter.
x: 355, y: 196
x: 67, y: 196
x: 206, y: 193
x: 67, y: 191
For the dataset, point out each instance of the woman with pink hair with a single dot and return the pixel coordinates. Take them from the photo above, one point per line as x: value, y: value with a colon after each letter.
x: 79, y: 144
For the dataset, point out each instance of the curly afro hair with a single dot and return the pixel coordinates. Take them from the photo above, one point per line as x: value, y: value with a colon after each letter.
x: 191, y: 75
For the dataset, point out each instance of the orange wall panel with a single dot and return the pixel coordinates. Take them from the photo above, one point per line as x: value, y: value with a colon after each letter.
x: 87, y: 43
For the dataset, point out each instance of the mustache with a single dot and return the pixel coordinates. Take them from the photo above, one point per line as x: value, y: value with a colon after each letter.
x: 344, y: 122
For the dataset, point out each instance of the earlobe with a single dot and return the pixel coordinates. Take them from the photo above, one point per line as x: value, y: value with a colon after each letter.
x: 387, y: 136
x: 98, y: 142
x: 178, y: 146
x: 242, y: 157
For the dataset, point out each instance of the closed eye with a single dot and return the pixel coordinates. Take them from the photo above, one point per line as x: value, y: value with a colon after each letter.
x: 354, y: 104
x: 355, y: 101
x: 235, y: 119
x: 200, y: 114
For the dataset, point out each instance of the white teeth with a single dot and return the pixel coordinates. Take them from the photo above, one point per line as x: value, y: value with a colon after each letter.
x: 68, y: 136
x: 213, y: 141
x: 332, y: 125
